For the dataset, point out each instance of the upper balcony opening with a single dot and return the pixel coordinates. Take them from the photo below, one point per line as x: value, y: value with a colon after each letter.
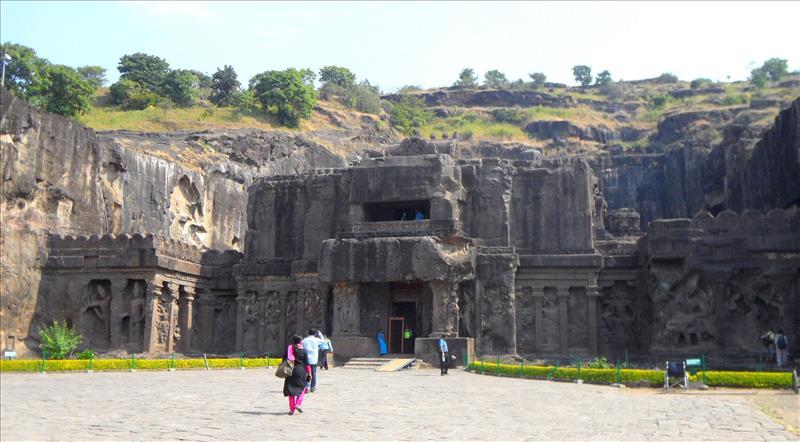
x: 397, y: 211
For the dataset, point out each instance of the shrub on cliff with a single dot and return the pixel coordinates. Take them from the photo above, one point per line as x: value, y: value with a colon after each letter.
x: 59, y: 340
x: 285, y: 95
x: 667, y: 77
x: 538, y: 79
x: 132, y: 96
x: 409, y: 114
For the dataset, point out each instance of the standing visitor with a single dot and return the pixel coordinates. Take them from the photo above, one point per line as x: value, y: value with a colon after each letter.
x: 768, y: 340
x: 324, y: 348
x: 444, y: 355
x: 419, y: 216
x: 311, y: 347
x: 781, y: 348
x: 381, y: 343
x: 294, y: 386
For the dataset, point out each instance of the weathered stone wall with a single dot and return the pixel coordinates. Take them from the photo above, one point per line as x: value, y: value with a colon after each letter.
x: 60, y: 177
x: 717, y: 284
x: 745, y: 169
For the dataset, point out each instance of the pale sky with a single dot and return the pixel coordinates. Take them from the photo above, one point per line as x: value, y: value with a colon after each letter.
x: 399, y: 43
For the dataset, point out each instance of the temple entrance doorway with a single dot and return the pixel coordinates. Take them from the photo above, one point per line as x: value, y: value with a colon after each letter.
x: 405, y: 318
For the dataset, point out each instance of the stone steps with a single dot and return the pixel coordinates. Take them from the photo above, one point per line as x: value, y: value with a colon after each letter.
x: 366, y: 363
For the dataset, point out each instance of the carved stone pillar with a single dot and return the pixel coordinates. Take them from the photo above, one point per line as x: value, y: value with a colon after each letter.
x: 445, y: 308
x: 172, y: 315
x: 563, y: 325
x: 187, y: 318
x: 118, y: 310
x: 262, y: 321
x: 346, y: 310
x: 592, y: 293
x: 153, y: 296
x: 205, y: 320
x: 241, y: 307
x: 538, y: 297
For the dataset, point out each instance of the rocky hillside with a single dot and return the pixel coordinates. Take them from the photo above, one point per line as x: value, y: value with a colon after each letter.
x: 63, y: 178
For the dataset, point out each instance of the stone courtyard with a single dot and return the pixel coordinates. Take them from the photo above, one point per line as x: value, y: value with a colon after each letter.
x: 366, y: 405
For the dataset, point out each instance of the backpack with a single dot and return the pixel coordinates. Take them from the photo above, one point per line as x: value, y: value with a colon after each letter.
x: 781, y: 342
x: 766, y: 340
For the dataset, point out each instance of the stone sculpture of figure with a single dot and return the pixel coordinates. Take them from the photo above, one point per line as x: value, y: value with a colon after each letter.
x: 95, y: 314
x: 136, y: 315
x: 452, y: 314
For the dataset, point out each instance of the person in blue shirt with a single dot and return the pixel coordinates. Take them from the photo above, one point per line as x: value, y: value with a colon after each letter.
x: 419, y: 216
x: 325, y: 347
x: 311, y: 345
x: 444, y: 355
x: 381, y: 343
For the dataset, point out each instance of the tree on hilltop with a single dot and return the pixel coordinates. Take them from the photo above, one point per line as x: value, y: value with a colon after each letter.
x: 181, y: 86
x: 286, y: 95
x: 603, y: 78
x: 466, y: 78
x: 23, y: 70
x: 582, y: 74
x: 147, y: 70
x: 538, y: 79
x: 759, y: 77
x: 64, y: 91
x: 667, y: 77
x: 776, y: 68
x: 224, y: 83
x: 495, y: 79
x: 94, y: 75
x: 337, y: 75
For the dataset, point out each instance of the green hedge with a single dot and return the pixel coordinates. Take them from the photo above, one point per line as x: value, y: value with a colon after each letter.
x: 126, y: 364
x: 654, y: 378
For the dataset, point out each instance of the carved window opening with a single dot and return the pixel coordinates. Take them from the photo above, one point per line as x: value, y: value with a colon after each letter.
x: 396, y: 211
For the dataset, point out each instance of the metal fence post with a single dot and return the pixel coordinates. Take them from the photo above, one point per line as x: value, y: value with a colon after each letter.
x: 704, y: 369
x: 172, y: 362
x: 205, y: 359
x: 619, y: 376
x: 268, y: 359
x: 44, y: 362
x: 521, y: 366
x: 91, y: 362
x: 497, y: 367
x: 241, y: 361
x: 483, y: 367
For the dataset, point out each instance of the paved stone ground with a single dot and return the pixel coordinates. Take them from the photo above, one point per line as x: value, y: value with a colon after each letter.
x: 355, y: 404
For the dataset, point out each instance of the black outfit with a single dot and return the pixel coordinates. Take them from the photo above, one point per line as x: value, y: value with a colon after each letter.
x: 444, y: 359
x: 296, y: 383
x: 323, y: 359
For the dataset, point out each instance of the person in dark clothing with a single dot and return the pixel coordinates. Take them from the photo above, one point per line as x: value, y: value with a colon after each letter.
x: 294, y: 387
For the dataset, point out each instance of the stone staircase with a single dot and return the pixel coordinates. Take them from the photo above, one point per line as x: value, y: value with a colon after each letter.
x: 365, y: 363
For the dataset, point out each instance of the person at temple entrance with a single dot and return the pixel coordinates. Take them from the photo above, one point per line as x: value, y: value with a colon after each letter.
x: 444, y: 355
x: 381, y: 343
x: 419, y: 216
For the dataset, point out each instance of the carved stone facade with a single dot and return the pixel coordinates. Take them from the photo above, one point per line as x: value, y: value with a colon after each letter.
x: 510, y: 257
x: 138, y: 293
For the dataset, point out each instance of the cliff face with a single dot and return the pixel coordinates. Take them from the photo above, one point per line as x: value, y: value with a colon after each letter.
x: 62, y: 178
x: 714, y: 161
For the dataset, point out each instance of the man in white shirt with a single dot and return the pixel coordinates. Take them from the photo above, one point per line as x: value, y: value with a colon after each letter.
x: 311, y: 345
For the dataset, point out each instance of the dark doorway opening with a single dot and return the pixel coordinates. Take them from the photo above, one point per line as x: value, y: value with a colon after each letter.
x: 402, y: 340
x: 396, y: 211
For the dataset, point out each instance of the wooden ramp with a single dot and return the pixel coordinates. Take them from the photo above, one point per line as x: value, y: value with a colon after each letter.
x: 396, y: 364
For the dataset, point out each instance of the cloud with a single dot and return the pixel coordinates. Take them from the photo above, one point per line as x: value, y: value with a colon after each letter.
x: 197, y: 11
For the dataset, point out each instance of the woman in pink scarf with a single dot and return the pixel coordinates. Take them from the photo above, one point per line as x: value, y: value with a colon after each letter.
x: 294, y: 387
